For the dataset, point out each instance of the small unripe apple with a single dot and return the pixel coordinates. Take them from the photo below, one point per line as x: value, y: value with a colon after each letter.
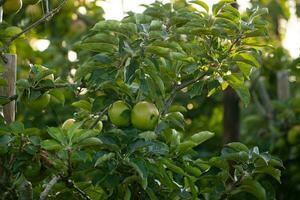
x: 144, y: 116
x: 119, y: 114
x: 11, y: 6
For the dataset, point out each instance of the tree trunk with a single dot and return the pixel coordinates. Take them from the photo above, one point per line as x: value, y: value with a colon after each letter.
x: 231, y: 113
x: 231, y: 116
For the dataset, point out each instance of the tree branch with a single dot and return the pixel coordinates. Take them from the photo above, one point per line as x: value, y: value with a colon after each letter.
x: 174, y: 91
x: 46, y: 17
x: 47, y: 190
x: 100, y: 115
x: 70, y: 184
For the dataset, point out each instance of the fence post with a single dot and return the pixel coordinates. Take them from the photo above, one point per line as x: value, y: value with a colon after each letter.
x: 283, y: 91
x: 9, y: 110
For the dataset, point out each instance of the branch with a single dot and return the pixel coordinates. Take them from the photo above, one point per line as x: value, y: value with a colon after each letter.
x: 45, y: 193
x: 235, y: 42
x: 46, y: 17
x: 57, y: 85
x: 100, y: 115
x: 175, y: 89
x: 70, y: 184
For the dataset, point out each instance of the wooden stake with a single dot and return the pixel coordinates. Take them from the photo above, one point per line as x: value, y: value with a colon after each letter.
x: 283, y: 90
x: 1, y: 14
x: 9, y: 110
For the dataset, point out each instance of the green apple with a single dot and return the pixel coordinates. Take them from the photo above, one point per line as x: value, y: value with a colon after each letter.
x: 68, y: 123
x: 34, y: 12
x: 11, y: 6
x: 119, y: 114
x: 294, y: 135
x: 144, y: 116
x: 39, y: 103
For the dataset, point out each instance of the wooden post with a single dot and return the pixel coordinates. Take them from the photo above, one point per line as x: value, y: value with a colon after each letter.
x: 231, y: 116
x: 1, y: 14
x: 283, y: 90
x: 9, y: 110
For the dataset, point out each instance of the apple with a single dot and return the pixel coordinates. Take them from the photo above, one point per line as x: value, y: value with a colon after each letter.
x: 144, y: 116
x: 39, y: 103
x: 11, y: 6
x: 34, y: 12
x: 119, y: 114
x: 293, y: 136
x: 68, y: 123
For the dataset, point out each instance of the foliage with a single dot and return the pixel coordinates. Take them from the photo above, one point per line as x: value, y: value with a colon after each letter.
x: 153, y: 56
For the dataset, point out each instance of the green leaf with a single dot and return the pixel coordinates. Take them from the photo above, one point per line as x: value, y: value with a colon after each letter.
x: 201, y: 137
x: 253, y: 187
x: 196, y: 89
x: 173, y: 167
x: 151, y: 194
x: 17, y: 127
x: 58, y: 95
x: 237, y: 146
x: 202, y: 4
x: 140, y: 167
x: 98, y: 47
x: 89, y: 142
x: 148, y: 135
x: 102, y: 38
x: 186, y: 146
x: 104, y: 158
x: 51, y: 145
x: 276, y: 173
x: 236, y: 81
x: 83, y: 104
x: 57, y: 134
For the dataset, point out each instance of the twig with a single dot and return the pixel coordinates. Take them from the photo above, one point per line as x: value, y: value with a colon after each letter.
x: 99, y: 117
x: 70, y: 184
x: 175, y: 89
x: 45, y: 193
x: 33, y: 25
x: 235, y: 42
x: 57, y: 85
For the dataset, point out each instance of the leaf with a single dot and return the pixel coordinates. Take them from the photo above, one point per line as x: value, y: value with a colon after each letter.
x: 58, y: 95
x: 104, y: 158
x: 151, y: 194
x: 173, y: 167
x: 196, y: 89
x: 201, y: 137
x: 236, y: 81
x: 92, y: 141
x: 57, y: 134
x: 17, y: 127
x: 102, y: 38
x: 237, y: 146
x: 148, y: 135
x: 253, y: 187
x: 140, y: 167
x: 98, y: 47
x: 186, y: 146
x: 83, y: 104
x: 50, y: 145
x: 247, y: 58
x: 202, y: 4
x: 276, y: 173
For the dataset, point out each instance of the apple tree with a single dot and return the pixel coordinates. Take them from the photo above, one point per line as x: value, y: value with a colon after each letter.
x: 127, y: 138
